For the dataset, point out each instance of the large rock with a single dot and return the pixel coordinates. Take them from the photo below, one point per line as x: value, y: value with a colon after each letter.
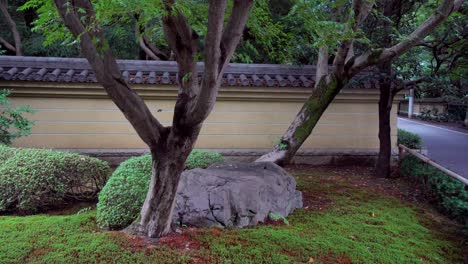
x: 235, y: 195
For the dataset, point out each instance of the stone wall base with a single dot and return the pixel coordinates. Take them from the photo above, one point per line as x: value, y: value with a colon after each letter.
x: 343, y: 157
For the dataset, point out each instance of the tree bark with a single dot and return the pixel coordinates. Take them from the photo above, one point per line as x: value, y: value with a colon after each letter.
x: 14, y: 31
x: 383, y: 166
x: 168, y: 164
x: 306, y: 120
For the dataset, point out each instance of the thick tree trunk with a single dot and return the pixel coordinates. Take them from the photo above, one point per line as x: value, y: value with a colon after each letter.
x: 168, y: 164
x: 305, y: 121
x: 156, y: 213
x: 383, y: 166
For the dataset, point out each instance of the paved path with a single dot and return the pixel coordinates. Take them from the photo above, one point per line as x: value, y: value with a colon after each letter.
x: 446, y: 146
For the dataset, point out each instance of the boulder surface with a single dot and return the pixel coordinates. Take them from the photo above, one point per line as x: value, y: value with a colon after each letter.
x: 235, y: 195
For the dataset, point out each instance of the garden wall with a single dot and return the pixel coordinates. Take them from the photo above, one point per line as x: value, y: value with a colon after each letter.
x: 255, y: 106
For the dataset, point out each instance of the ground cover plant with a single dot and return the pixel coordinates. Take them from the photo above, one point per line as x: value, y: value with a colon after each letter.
x: 349, y: 217
x: 33, y: 180
x: 122, y: 197
x: 448, y: 194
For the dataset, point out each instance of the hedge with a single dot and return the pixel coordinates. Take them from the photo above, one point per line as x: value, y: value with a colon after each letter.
x: 408, y: 139
x: 33, y: 180
x: 120, y: 201
x: 448, y: 194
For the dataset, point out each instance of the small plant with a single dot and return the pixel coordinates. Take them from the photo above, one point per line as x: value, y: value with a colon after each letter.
x: 277, y: 217
x: 12, y: 123
x: 120, y: 201
x: 282, y: 145
x: 409, y: 139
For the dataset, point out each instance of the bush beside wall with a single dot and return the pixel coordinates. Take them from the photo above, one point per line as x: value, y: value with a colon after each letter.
x: 448, y: 194
x: 409, y: 139
x: 33, y: 180
x: 120, y: 201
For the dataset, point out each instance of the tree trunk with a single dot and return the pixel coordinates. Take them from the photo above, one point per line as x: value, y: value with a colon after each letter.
x: 383, y: 166
x: 168, y: 165
x: 305, y: 121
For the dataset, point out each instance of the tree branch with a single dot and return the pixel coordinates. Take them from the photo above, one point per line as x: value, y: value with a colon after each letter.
x: 7, y: 45
x: 380, y: 56
x: 150, y: 50
x: 361, y: 9
x: 233, y: 31
x: 219, y: 51
x: 99, y: 56
x: 182, y: 40
x: 322, y: 64
x: 14, y: 30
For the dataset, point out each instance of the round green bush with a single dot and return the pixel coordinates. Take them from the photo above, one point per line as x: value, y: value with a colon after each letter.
x: 121, y: 199
x: 33, y: 180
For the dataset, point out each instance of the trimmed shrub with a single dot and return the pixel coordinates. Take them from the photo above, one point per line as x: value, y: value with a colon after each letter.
x: 448, y: 194
x: 409, y: 139
x: 33, y: 180
x: 202, y: 159
x: 120, y: 201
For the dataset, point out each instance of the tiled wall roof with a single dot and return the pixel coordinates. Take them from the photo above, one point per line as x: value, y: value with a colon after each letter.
x: 48, y: 69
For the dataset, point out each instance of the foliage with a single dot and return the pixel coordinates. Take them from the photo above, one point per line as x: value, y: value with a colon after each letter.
x: 408, y: 139
x: 32, y: 180
x: 121, y: 199
x: 434, y: 115
x: 278, y: 217
x: 447, y: 193
x: 359, y: 225
x: 265, y: 37
x: 5, y: 153
x: 12, y: 122
x: 202, y: 159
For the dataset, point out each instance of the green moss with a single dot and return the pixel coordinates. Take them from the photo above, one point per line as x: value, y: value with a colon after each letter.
x: 70, y: 239
x: 316, y: 105
x: 375, y: 56
x: 355, y: 225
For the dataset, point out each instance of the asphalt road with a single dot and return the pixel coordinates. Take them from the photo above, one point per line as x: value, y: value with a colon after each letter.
x: 446, y: 146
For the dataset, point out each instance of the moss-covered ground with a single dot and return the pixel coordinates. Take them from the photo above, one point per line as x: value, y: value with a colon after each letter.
x: 348, y: 218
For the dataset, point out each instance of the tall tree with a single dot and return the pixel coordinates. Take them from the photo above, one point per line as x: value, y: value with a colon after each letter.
x: 169, y: 146
x: 345, y: 66
x: 16, y: 47
x: 391, y: 14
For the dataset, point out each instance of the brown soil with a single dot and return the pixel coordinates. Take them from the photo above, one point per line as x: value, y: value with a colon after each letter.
x: 362, y: 177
